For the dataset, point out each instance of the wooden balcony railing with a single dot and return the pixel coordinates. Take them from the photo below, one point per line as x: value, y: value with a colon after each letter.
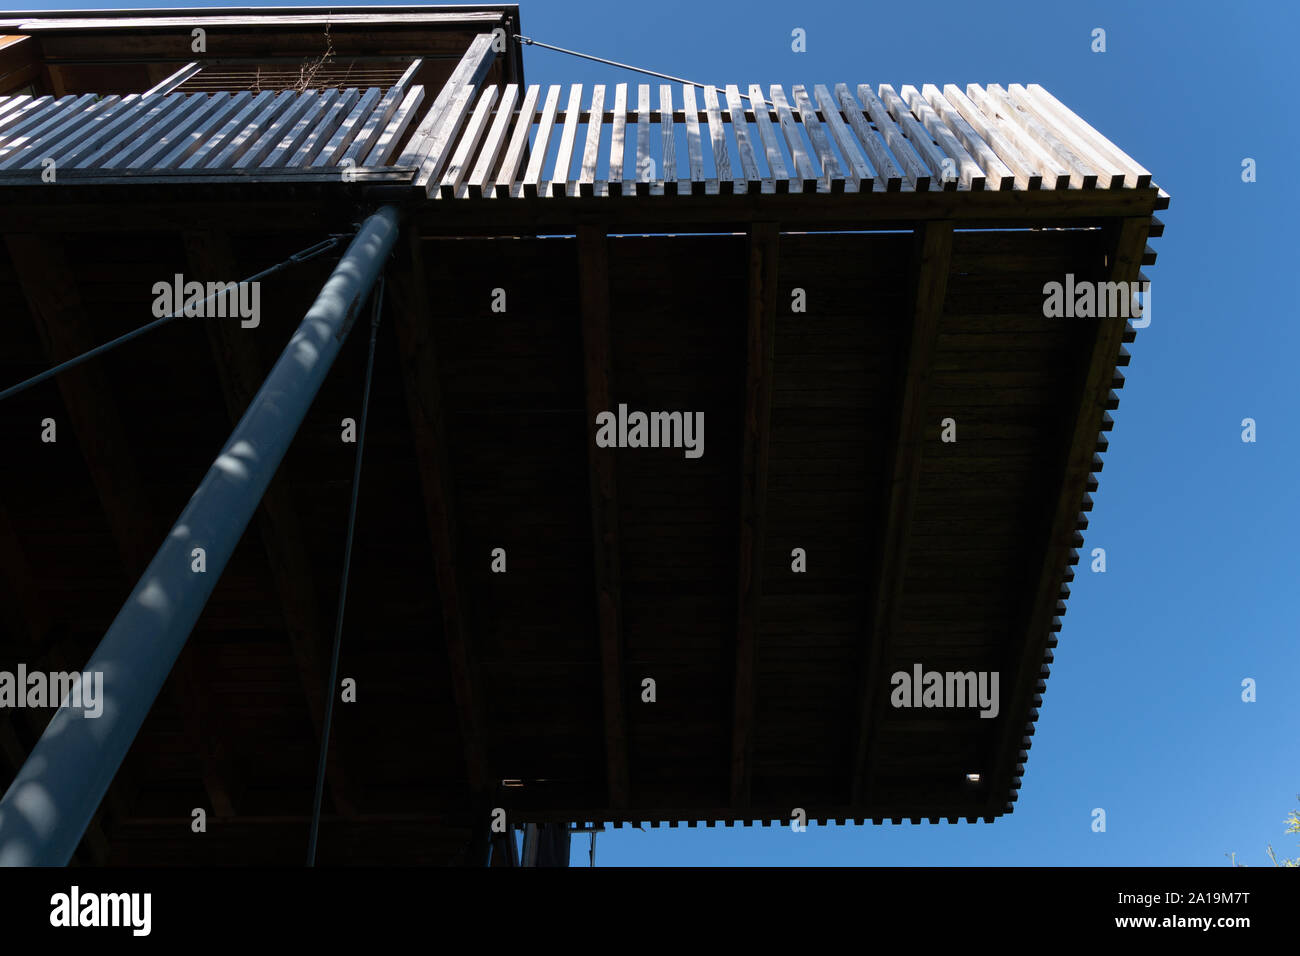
x: 829, y: 140
x: 508, y: 142
x: 253, y: 134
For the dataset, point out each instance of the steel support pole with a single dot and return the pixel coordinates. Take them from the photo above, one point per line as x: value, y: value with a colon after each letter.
x: 52, y: 800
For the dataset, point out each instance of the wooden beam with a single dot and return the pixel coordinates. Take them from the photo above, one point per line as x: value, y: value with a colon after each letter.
x: 327, y: 208
x: 932, y: 257
x: 20, y: 63
x: 593, y: 272
x: 22, y: 612
x: 55, y: 305
x: 1097, y: 370
x: 64, y: 329
x: 760, y: 337
x: 413, y: 316
x: 240, y: 372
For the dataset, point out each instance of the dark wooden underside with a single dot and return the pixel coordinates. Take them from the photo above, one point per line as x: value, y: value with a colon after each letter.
x: 621, y: 566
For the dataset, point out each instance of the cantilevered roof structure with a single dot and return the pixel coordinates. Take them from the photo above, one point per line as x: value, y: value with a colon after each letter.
x: 868, y: 446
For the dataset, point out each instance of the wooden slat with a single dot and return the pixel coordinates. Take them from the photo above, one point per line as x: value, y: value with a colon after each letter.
x: 999, y: 174
x: 859, y: 172
x: 1110, y: 175
x: 441, y: 143
x: 760, y: 340
x: 518, y: 142
x: 593, y: 277
x: 379, y: 123
x: 642, y: 139
x: 17, y: 130
x: 805, y: 172
x: 370, y: 130
x: 386, y: 143
x: 1081, y: 128
x: 71, y: 142
x: 251, y: 139
x: 496, y: 139
x: 185, y: 134
x: 24, y: 111
x: 428, y: 143
x: 894, y: 139
x: 916, y: 135
x: 160, y: 125
x: 775, y: 161
x: 1081, y: 176
x: 1026, y: 176
x: 932, y: 256
x: 324, y: 131
x: 694, y: 151
x: 744, y: 145
x: 26, y: 136
x: 459, y: 166
x: 969, y: 173
x: 868, y: 140
x: 10, y: 105
x: 351, y: 125
x: 1082, y: 426
x: 46, y: 136
x: 568, y: 136
x: 408, y: 75
x: 202, y: 156
x: 294, y: 137
x: 172, y: 81
x: 107, y: 141
x: 618, y: 134
x: 832, y: 172
x: 1054, y: 172
x: 533, y: 173
x: 718, y: 141
x: 591, y: 151
x: 669, y: 172
x: 413, y: 316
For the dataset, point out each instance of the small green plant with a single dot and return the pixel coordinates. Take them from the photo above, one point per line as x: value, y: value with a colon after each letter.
x: 1292, y: 826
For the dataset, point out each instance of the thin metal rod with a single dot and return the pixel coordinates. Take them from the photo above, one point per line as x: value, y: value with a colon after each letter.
x: 311, y: 252
x: 47, y: 808
x: 622, y: 66
x: 330, y: 688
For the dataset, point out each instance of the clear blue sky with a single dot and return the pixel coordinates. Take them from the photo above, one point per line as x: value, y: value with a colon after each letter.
x: 1143, y: 714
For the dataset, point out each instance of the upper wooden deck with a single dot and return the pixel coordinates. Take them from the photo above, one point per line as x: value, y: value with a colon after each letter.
x: 514, y: 142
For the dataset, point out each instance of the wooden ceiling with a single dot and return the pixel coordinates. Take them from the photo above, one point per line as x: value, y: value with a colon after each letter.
x: 821, y: 433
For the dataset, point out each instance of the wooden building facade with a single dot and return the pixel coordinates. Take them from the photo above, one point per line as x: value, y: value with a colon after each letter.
x: 842, y: 287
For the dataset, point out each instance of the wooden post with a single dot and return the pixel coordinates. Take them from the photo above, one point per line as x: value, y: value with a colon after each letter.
x: 593, y: 267
x: 932, y: 256
x: 413, y: 316
x: 764, y: 263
